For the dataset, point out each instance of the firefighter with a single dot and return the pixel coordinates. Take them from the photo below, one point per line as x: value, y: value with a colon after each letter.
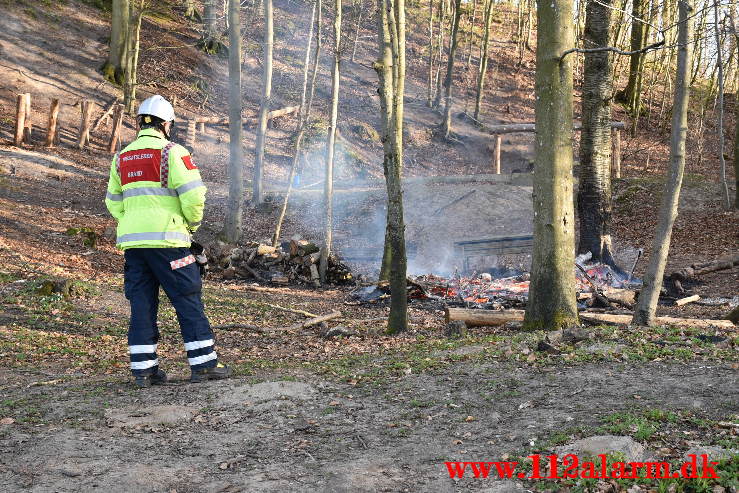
x: 156, y: 195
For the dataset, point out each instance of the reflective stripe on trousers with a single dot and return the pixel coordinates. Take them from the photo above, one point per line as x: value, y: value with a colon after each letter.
x: 167, y: 235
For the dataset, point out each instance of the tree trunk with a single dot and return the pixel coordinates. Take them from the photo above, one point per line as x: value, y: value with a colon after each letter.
x: 357, y: 31
x: 594, y: 193
x: 115, y: 67
x: 552, y: 302
x: 471, y: 37
x: 482, y: 72
x: 209, y: 18
x: 647, y: 303
x: 639, y: 32
x: 430, y: 82
x: 133, y: 38
x: 316, y: 60
x: 442, y: 19
x: 529, y: 22
x: 736, y: 142
x: 264, y: 107
x: 390, y: 68
x: 450, y: 70
x: 720, y: 106
x: 210, y: 42
x: 303, y: 117
x: 232, y: 223
x: 331, y: 141
x: 398, y: 319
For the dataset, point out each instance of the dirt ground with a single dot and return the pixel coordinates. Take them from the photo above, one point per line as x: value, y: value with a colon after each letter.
x: 278, y: 433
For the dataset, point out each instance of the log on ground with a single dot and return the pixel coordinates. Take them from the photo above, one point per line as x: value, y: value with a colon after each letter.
x: 481, y: 318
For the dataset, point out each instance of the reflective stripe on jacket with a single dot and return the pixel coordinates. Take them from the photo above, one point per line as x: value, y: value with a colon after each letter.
x: 154, y: 207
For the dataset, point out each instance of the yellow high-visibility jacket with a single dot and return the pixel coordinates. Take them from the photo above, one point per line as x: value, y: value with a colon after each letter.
x: 155, y: 192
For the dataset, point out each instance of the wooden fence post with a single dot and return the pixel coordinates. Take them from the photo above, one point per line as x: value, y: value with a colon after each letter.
x: 202, y: 128
x: 28, y: 124
x: 20, y: 120
x: 616, y: 159
x: 116, y: 130
x: 496, y: 154
x: 84, y: 136
x: 190, y: 138
x: 52, y: 129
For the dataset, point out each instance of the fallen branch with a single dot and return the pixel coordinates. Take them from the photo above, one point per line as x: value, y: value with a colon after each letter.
x: 677, y: 322
x: 479, y: 318
x: 316, y: 321
x: 106, y: 113
x: 678, y: 277
x: 292, y: 310
x: 251, y: 271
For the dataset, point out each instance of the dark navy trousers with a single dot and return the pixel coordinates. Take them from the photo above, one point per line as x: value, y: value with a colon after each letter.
x: 145, y: 270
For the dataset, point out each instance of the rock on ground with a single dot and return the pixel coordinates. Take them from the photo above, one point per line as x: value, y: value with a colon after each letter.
x: 604, y: 444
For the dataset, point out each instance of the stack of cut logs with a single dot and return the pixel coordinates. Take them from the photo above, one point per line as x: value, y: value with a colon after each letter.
x: 295, y: 261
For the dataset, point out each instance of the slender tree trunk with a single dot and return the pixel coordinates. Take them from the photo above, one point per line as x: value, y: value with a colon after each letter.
x: 736, y: 142
x: 471, y: 37
x: 331, y: 142
x: 482, y: 72
x: 442, y: 19
x: 594, y: 193
x: 736, y: 139
x: 303, y: 117
x: 450, y: 70
x: 429, y: 88
x: 698, y: 39
x: 316, y: 60
x: 529, y: 22
x: 265, y: 105
x: 398, y: 318
x: 133, y: 36
x: 390, y: 68
x: 552, y: 302
x: 644, y: 313
x: 720, y: 105
x: 357, y: 31
x: 114, y: 68
x: 639, y: 32
x: 232, y: 223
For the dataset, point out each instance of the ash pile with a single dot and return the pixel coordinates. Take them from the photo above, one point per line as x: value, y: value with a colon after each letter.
x: 598, y: 285
x: 293, y: 262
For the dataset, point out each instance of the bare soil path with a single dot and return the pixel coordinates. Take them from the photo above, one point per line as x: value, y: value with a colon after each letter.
x: 275, y: 433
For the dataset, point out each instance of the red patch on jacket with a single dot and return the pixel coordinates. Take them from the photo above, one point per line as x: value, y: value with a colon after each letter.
x: 140, y: 165
x: 188, y: 162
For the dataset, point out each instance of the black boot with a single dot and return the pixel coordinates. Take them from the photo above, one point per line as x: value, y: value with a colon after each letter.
x: 144, y: 381
x: 218, y: 372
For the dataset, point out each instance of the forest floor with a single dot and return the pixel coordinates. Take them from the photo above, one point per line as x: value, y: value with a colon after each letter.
x: 304, y: 413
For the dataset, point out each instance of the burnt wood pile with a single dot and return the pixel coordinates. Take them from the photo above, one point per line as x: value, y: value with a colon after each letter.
x: 293, y: 262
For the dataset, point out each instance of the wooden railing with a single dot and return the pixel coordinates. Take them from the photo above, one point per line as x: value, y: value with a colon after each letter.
x: 498, y: 130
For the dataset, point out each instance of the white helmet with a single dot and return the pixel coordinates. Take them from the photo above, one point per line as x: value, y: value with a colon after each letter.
x: 157, y: 106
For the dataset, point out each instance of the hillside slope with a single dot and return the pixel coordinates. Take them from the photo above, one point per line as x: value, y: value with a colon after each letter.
x: 54, y: 51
